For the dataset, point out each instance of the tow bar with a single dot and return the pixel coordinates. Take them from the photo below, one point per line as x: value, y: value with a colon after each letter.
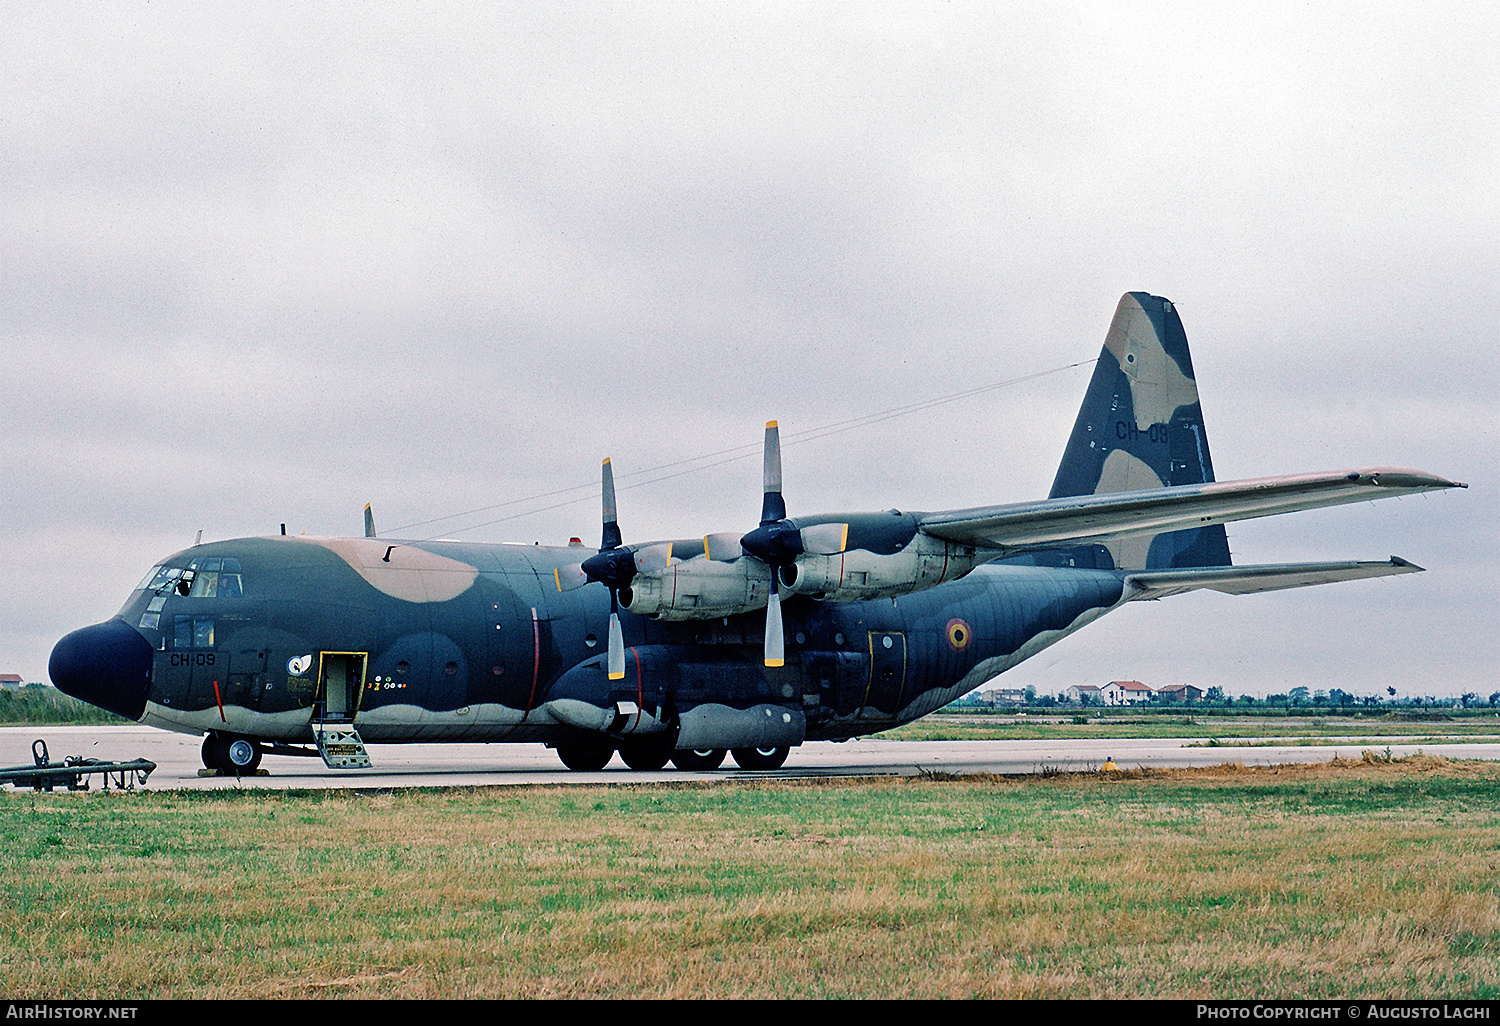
x: 74, y: 771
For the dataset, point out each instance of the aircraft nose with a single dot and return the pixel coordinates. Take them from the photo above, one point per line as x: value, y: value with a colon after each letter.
x: 108, y: 665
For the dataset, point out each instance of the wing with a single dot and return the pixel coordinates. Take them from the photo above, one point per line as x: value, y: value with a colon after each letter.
x: 1052, y: 523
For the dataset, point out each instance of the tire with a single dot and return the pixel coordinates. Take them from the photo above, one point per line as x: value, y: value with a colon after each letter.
x: 229, y: 754
x: 586, y: 755
x: 699, y: 760
x: 647, y: 754
x: 760, y: 758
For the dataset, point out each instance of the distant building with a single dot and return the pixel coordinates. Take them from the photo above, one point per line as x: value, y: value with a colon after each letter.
x: 1125, y: 692
x: 11, y: 680
x: 1084, y: 693
x: 1179, y: 693
x: 1004, y: 696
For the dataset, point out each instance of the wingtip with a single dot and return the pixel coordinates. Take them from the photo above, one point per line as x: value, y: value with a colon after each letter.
x: 1402, y: 477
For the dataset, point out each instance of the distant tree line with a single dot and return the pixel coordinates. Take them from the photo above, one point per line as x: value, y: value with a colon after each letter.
x: 1295, y: 698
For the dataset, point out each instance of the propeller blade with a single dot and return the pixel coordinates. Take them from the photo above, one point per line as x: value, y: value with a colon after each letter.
x: 825, y: 539
x: 723, y: 548
x: 570, y: 577
x: 775, y: 641
x: 773, y: 507
x: 611, y: 538
x: 369, y: 522
x: 616, y: 649
x: 652, y: 558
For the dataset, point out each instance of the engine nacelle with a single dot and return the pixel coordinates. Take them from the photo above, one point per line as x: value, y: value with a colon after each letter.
x: 858, y: 574
x: 699, y: 589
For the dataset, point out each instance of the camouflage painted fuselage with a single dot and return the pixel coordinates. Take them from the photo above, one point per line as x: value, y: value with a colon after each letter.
x: 473, y: 642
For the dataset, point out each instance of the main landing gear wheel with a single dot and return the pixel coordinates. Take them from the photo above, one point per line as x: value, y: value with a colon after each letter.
x: 699, y: 760
x: 646, y: 754
x: 236, y: 755
x: 760, y: 758
x: 585, y: 755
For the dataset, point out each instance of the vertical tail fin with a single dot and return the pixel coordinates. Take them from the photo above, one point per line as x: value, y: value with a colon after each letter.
x: 1141, y: 426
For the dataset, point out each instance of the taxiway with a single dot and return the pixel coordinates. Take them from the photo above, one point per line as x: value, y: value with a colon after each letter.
x: 465, y: 765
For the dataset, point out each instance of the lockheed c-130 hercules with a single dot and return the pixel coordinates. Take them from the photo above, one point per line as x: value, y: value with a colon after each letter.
x: 803, y: 628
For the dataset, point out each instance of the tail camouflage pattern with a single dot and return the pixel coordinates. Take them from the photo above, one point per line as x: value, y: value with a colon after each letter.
x: 1141, y: 427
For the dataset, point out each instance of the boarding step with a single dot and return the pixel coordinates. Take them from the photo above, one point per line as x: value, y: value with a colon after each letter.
x: 341, y: 746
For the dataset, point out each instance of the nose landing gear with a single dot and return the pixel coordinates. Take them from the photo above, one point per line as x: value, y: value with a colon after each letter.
x: 231, y: 755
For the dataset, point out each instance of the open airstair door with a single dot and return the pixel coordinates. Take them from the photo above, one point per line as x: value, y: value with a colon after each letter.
x: 341, y: 683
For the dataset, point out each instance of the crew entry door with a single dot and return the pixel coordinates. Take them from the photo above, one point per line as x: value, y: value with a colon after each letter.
x: 341, y: 684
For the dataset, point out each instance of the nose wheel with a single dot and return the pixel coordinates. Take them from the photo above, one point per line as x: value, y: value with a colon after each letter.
x: 228, y: 754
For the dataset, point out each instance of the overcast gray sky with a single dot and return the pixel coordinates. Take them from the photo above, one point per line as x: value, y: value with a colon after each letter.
x: 266, y: 264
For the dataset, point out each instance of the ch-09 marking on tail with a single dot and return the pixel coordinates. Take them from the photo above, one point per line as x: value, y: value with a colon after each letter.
x: 890, y: 614
x: 1156, y: 433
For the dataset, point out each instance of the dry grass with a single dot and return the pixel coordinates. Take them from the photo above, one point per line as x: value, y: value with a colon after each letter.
x: 1361, y: 879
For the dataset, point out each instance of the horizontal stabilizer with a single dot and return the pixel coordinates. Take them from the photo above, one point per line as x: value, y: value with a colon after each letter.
x: 1052, y: 523
x: 1246, y: 580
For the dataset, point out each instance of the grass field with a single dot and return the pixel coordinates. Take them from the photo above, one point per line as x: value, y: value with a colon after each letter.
x: 1366, y: 879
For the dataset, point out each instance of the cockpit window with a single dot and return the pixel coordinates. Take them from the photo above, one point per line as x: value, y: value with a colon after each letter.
x: 215, y: 578
x: 165, y: 578
x: 218, y: 577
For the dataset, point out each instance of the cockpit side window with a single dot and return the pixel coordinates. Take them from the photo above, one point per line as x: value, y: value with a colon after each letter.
x: 216, y: 578
x: 193, y: 632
